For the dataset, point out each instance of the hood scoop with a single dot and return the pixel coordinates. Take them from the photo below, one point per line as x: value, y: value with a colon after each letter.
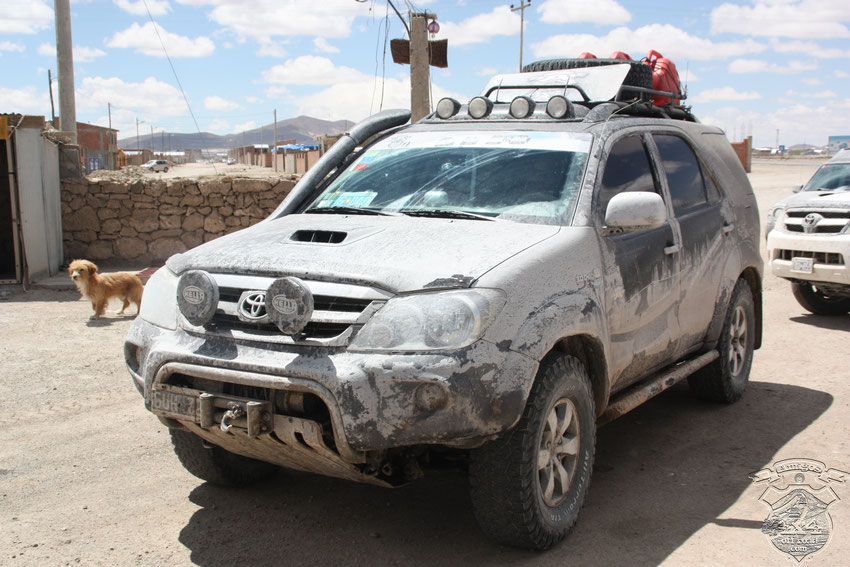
x: 318, y: 236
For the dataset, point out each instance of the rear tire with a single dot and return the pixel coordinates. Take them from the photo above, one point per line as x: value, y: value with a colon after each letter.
x: 528, y: 486
x: 214, y: 464
x: 817, y: 302
x: 725, y: 379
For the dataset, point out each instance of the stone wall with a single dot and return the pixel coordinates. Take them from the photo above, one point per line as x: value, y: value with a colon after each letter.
x: 148, y: 220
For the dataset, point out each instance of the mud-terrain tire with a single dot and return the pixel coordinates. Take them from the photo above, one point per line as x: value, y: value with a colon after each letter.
x: 640, y: 75
x: 725, y: 379
x: 214, y: 464
x: 516, y: 496
x: 815, y: 301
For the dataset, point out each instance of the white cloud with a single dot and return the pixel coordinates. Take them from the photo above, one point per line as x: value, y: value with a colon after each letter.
x: 10, y: 46
x: 27, y: 100
x: 218, y: 103
x: 669, y: 40
x: 723, y: 94
x: 842, y: 74
x: 144, y: 40
x: 250, y: 125
x: 151, y: 97
x: 800, y: 19
x: 47, y: 49
x: 86, y: 54
x: 137, y: 8
x: 310, y: 70
x: 794, y: 95
x: 810, y: 123
x: 355, y: 100
x: 253, y: 99
x: 269, y: 18
x: 322, y: 45
x: 741, y: 66
x: 270, y: 48
x: 812, y: 82
x: 808, y: 48
x: 608, y: 12
x: 25, y: 16
x: 481, y: 28
x: 219, y: 127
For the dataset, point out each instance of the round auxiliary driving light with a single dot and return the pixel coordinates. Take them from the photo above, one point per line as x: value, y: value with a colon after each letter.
x: 559, y: 107
x: 479, y: 107
x: 447, y: 107
x: 522, y: 107
x: 289, y: 304
x: 197, y: 297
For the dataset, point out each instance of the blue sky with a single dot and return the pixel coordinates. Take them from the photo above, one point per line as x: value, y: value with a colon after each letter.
x: 751, y: 67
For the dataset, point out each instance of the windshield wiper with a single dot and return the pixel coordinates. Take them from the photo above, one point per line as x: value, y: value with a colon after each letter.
x: 444, y: 214
x: 347, y: 211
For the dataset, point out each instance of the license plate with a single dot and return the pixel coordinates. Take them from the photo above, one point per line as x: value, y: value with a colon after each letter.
x: 802, y: 265
x: 172, y: 404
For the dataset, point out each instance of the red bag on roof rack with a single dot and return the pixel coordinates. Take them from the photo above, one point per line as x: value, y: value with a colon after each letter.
x: 664, y: 78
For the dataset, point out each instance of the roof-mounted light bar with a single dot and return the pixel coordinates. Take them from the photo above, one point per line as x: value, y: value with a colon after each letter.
x: 447, y: 107
x: 560, y: 107
x: 521, y: 107
x: 480, y: 107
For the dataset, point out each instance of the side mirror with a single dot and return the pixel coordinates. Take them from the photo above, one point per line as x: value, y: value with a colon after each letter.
x: 796, y: 188
x: 635, y: 210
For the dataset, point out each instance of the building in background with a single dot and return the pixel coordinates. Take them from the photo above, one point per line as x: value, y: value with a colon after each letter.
x: 98, y: 146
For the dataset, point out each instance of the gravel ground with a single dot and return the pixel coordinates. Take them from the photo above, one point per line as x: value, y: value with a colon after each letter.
x: 87, y: 476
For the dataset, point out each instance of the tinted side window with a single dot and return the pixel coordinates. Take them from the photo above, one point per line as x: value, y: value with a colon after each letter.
x: 627, y: 169
x: 687, y: 188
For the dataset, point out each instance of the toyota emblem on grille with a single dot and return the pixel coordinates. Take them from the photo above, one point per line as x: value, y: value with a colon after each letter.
x: 810, y: 222
x: 252, y: 307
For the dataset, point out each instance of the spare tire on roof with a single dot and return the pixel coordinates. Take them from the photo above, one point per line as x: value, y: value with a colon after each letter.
x: 640, y: 74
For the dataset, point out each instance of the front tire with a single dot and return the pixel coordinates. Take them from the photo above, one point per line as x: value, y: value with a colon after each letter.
x: 815, y: 301
x: 725, y: 379
x: 528, y: 486
x: 214, y: 464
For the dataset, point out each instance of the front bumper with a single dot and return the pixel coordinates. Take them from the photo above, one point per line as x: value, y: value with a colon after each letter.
x: 829, y: 253
x: 375, y: 401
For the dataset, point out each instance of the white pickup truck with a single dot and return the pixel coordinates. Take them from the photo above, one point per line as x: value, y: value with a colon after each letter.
x: 809, y: 239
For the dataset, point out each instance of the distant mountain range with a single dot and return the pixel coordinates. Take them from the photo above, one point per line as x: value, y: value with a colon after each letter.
x: 302, y: 129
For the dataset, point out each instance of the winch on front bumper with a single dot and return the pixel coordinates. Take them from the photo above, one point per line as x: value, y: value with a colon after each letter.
x: 327, y: 411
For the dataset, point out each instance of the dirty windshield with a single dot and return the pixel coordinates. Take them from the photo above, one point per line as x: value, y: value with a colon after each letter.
x: 830, y: 177
x: 531, y: 177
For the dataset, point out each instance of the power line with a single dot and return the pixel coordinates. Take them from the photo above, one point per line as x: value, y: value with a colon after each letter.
x: 173, y: 70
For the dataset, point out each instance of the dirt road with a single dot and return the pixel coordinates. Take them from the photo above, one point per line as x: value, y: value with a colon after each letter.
x: 88, y: 477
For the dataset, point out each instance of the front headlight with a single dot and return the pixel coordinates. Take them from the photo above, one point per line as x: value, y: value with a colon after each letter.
x: 159, y: 301
x: 430, y: 321
x: 773, y: 216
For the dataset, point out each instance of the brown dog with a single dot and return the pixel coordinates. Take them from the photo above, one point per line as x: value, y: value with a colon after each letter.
x: 99, y: 289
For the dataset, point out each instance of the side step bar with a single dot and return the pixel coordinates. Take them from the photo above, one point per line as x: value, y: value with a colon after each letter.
x: 633, y: 397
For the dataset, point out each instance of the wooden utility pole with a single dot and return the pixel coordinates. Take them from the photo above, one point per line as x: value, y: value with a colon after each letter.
x: 420, y: 74
x: 274, y: 153
x: 521, y: 8
x: 65, y: 66
x: 52, y: 107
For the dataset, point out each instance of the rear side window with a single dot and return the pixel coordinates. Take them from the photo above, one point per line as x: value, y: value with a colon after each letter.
x: 627, y: 169
x: 684, y: 177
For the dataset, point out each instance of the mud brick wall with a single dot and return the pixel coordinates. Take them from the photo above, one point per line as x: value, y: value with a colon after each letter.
x: 149, y: 220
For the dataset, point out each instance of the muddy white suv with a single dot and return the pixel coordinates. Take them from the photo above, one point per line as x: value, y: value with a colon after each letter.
x: 808, y: 239
x: 488, y: 284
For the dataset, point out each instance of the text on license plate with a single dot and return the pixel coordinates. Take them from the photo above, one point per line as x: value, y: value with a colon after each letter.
x: 802, y: 265
x: 172, y: 404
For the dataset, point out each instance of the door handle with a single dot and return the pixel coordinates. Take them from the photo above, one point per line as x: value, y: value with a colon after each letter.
x: 672, y: 249
x: 727, y: 228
